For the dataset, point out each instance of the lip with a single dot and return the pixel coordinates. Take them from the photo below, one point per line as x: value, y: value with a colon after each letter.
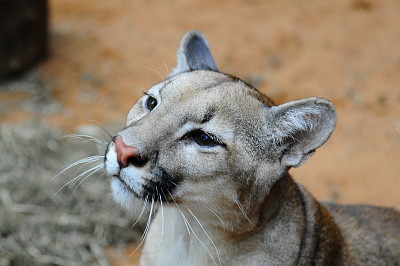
x: 126, y: 185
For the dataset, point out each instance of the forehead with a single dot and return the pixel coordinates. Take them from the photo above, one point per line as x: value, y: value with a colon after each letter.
x: 202, y: 89
x: 215, y: 102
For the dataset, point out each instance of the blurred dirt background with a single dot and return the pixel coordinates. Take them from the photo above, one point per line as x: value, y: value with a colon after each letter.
x: 105, y: 54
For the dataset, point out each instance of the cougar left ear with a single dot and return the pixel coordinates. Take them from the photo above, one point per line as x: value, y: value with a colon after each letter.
x: 297, y: 128
x: 194, y: 54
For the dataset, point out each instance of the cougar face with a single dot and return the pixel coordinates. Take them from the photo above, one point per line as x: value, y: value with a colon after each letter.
x: 195, y: 135
x: 205, y: 137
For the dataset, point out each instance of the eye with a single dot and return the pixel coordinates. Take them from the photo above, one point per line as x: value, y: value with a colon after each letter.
x: 203, y: 139
x: 151, y: 103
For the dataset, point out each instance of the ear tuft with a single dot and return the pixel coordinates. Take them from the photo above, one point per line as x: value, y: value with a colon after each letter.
x: 194, y: 54
x: 300, y: 127
x: 294, y: 121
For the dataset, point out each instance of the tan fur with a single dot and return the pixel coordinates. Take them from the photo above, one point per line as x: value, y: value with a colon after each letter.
x: 234, y: 203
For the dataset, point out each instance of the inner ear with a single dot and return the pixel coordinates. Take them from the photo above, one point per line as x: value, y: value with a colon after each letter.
x: 194, y: 54
x: 298, y: 128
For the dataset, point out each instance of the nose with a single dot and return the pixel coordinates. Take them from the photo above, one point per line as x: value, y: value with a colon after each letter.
x: 127, y: 155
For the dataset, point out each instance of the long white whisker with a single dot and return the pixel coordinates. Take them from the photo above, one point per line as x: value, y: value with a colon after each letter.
x: 141, y: 242
x: 189, y: 228
x: 105, y: 130
x: 95, y: 169
x: 172, y: 229
x: 208, y: 251
x: 152, y: 69
x: 166, y: 67
x: 162, y: 217
x: 89, y: 171
x: 149, y: 220
x: 141, y: 213
x: 81, y: 161
x: 87, y: 138
x: 73, y: 180
x: 212, y: 242
x: 241, y: 209
x: 172, y: 182
x: 146, y: 230
x: 183, y: 216
x: 83, y: 165
x: 216, y: 215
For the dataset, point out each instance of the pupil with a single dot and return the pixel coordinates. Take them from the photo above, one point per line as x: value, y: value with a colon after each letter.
x: 151, y: 103
x: 202, y: 138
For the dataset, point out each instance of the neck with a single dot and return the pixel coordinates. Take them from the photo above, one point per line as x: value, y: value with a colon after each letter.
x: 203, y: 234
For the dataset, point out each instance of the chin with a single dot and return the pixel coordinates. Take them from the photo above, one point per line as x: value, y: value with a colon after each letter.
x: 123, y: 196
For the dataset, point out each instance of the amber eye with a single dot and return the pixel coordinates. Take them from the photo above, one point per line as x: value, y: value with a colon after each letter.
x: 203, y: 139
x: 151, y: 103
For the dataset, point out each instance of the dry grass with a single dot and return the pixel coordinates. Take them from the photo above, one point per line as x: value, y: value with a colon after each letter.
x: 39, y: 227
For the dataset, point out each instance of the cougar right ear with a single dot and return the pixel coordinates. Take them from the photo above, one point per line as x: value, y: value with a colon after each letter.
x: 194, y: 54
x: 299, y: 127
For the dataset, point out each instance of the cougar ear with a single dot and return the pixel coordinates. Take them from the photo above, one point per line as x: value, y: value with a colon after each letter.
x: 194, y: 54
x: 299, y: 127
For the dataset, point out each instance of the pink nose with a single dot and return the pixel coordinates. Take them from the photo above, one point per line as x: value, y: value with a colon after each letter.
x: 127, y: 154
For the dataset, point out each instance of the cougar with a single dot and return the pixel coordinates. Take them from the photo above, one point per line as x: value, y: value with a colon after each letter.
x: 207, y: 156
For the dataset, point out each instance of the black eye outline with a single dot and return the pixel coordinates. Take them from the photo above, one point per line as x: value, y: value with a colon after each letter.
x: 203, y: 139
x: 151, y: 102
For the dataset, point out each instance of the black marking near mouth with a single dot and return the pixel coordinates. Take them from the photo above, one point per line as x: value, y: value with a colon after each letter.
x: 161, y: 188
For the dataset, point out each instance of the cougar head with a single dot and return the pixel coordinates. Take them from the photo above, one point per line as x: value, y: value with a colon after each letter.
x: 204, y: 137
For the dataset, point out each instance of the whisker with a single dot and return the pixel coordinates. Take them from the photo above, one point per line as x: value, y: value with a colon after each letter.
x: 141, y: 213
x: 81, y: 161
x: 87, y: 138
x: 146, y: 230
x: 141, y: 242
x: 241, y: 209
x: 208, y: 251
x: 83, y: 165
x: 105, y: 130
x: 149, y: 220
x: 183, y: 216
x: 189, y: 228
x: 212, y: 242
x: 172, y: 182
x: 73, y: 180
x: 162, y: 217
x: 216, y: 215
x: 152, y: 69
x: 172, y: 222
x: 166, y: 67
x: 95, y: 169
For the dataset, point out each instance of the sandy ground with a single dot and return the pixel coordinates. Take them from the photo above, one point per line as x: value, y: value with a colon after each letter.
x: 106, y: 53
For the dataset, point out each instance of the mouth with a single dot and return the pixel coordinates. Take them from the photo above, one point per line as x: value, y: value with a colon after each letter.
x: 126, y: 186
x: 159, y: 187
